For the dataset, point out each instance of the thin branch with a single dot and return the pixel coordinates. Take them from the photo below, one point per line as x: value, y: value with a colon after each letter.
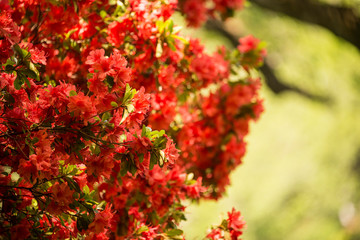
x: 78, y: 132
x: 342, y: 21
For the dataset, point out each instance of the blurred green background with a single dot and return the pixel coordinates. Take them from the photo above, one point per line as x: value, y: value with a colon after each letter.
x: 300, y: 178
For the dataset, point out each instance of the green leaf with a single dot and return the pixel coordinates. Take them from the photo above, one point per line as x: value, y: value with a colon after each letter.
x: 156, y: 134
x: 142, y: 229
x: 34, y: 70
x: 160, y: 142
x: 61, y: 221
x: 28, y: 73
x: 106, y: 116
x: 171, y: 42
x: 27, y: 83
x: 160, y: 26
x: 10, y: 62
x: 9, y: 68
x: 110, y: 125
x: 169, y: 25
x: 110, y: 82
x: 34, y: 140
x: 224, y: 224
x: 95, y: 149
x: 129, y: 95
x: 123, y: 167
x: 78, y: 146
x: 21, y: 52
x: 103, y: 14
x: 76, y: 6
x: 72, y: 184
x: 120, y: 8
x: 180, y: 38
x: 72, y: 93
x: 129, y: 109
x: 153, y: 160
x: 133, y: 169
x: 86, y: 189
x: 19, y: 81
x: 69, y: 169
x: 174, y: 232
x: 143, y: 131
x: 82, y: 223
x: 74, y: 171
x: 52, y: 83
x: 8, y: 97
x: 114, y: 104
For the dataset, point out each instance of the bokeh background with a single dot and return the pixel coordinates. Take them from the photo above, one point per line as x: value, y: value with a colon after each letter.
x: 300, y: 178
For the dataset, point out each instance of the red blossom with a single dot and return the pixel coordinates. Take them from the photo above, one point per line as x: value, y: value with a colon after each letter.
x: 8, y: 29
x: 195, y: 12
x: 171, y: 153
x: 195, y: 190
x: 236, y: 224
x: 77, y: 110
x: 223, y: 5
x: 102, y: 221
x: 215, y: 234
x: 248, y: 44
x: 81, y: 106
x: 38, y: 56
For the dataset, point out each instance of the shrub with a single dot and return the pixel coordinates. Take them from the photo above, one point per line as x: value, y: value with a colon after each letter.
x: 110, y: 119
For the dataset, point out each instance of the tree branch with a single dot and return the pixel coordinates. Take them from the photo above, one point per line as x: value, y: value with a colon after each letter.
x: 342, y: 21
x: 271, y: 80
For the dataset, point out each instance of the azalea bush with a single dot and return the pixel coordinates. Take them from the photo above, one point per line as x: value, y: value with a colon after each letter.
x: 110, y: 119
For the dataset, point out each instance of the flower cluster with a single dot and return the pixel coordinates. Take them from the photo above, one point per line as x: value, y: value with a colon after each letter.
x: 230, y: 228
x: 198, y: 11
x: 212, y: 140
x: 109, y: 118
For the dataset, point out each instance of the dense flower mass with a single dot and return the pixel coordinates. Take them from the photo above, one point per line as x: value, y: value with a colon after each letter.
x: 109, y: 118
